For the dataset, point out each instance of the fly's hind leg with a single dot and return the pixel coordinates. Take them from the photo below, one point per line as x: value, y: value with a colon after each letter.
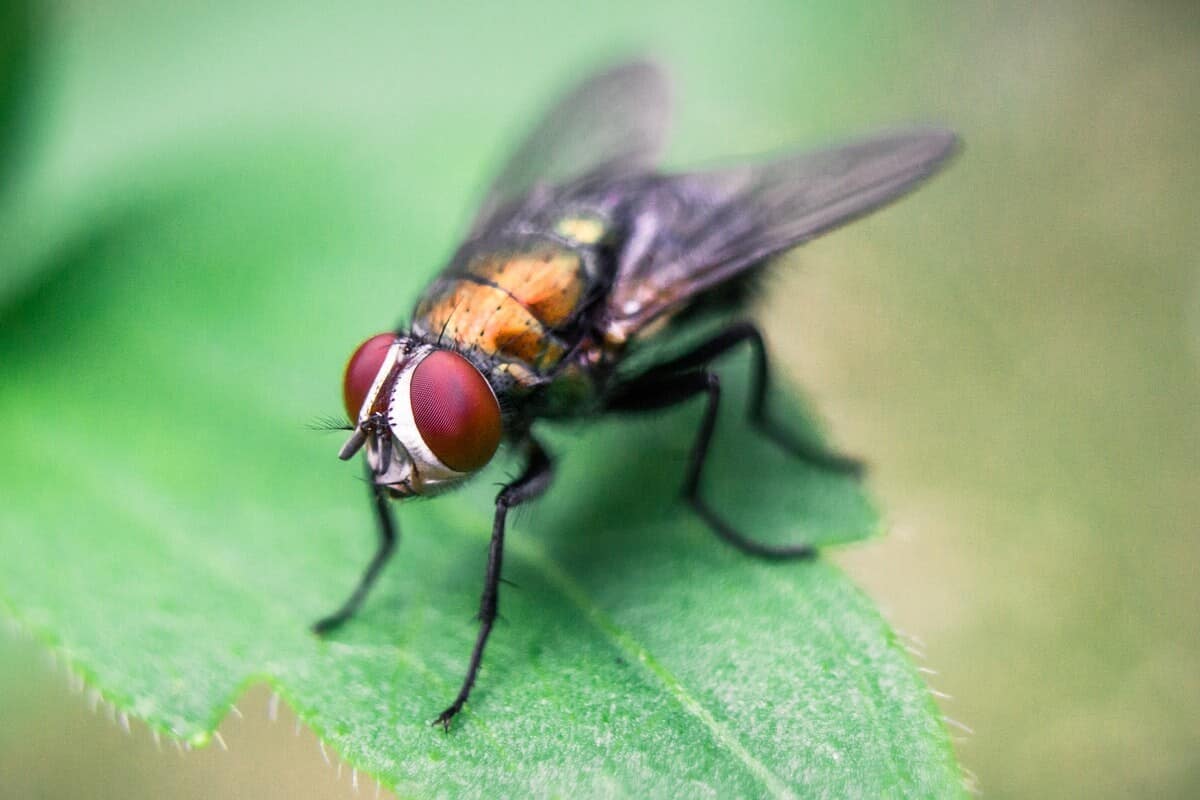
x: 726, y: 340
x: 387, y: 543
x: 657, y: 390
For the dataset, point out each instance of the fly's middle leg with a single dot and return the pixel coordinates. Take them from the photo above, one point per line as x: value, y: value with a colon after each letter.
x: 747, y: 332
x: 656, y: 390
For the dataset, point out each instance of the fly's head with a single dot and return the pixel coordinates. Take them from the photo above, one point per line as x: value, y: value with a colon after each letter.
x: 426, y: 416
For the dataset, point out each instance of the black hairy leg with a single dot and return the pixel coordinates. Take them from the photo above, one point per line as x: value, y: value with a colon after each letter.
x: 747, y: 332
x: 682, y: 378
x: 538, y: 472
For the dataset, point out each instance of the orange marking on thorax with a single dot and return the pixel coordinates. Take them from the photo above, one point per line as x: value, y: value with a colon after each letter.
x: 548, y: 281
x: 488, y: 319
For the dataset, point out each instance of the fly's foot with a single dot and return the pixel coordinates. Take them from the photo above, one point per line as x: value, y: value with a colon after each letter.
x: 835, y: 462
x: 813, y: 454
x: 724, y: 530
x: 447, y: 715
x: 327, y: 624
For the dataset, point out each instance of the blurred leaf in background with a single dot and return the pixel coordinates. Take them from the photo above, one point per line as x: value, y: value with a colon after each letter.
x: 16, y: 79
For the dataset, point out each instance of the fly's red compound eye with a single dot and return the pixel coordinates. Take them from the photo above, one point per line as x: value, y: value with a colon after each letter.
x: 455, y: 411
x: 361, y: 370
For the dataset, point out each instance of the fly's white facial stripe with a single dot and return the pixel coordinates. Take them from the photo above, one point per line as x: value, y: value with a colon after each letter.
x: 398, y: 469
x: 429, y: 467
x: 385, y: 369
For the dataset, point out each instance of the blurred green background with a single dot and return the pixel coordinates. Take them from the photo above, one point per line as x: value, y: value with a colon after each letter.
x: 1016, y: 350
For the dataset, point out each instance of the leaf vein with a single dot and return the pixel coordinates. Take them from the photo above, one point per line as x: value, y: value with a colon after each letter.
x: 637, y: 653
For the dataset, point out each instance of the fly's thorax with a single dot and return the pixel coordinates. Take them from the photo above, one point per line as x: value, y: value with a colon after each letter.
x: 428, y: 418
x: 516, y: 303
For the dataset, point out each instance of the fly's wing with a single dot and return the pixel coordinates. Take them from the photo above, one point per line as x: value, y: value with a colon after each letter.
x: 694, y: 232
x: 611, y: 125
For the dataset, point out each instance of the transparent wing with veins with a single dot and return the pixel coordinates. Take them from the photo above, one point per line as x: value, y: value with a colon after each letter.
x: 692, y: 232
x: 611, y: 126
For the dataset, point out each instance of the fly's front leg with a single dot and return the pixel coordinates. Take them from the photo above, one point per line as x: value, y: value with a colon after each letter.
x: 656, y: 390
x: 726, y: 340
x: 533, y: 481
x: 383, y: 552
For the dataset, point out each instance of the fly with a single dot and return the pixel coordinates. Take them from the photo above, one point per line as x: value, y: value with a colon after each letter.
x: 581, y: 254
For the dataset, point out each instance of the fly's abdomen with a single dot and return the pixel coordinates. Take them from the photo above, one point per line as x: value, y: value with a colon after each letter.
x: 509, y: 305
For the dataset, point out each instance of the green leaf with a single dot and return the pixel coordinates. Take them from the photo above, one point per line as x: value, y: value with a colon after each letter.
x: 171, y: 528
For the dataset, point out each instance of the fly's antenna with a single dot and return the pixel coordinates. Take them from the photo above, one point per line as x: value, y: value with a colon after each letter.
x: 353, y: 444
